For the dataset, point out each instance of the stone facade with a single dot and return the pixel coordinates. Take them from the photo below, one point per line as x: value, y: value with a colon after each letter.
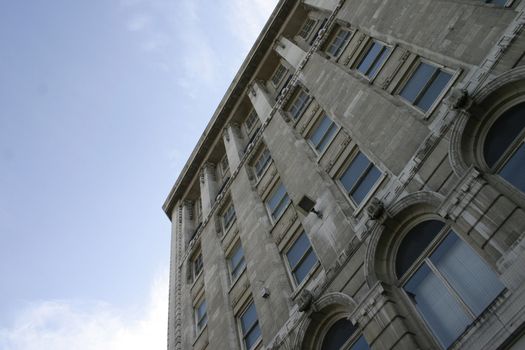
x: 291, y: 215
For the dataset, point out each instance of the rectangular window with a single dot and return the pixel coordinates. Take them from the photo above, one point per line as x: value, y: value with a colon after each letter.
x: 278, y: 201
x: 197, y: 265
x: 373, y: 59
x: 323, y: 134
x: 425, y: 85
x: 228, y: 217
x: 201, y: 316
x: 236, y: 261
x: 224, y: 166
x: 251, y: 332
x: 262, y: 162
x: 301, y: 258
x: 497, y: 2
x: 307, y: 28
x: 336, y: 46
x: 251, y: 119
x: 299, y: 104
x: 278, y: 75
x: 359, y: 177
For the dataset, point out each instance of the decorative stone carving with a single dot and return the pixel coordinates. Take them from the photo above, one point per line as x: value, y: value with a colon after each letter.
x: 305, y: 300
x: 375, y: 209
x: 458, y: 99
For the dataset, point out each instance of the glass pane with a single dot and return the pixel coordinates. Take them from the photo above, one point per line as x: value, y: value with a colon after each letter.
x: 503, y: 133
x: 338, y: 334
x: 379, y: 61
x: 370, y: 57
x: 276, y: 197
x: 321, y: 130
x: 253, y: 335
x: 281, y: 206
x: 262, y: 162
x: 366, y: 184
x: 433, y: 91
x: 297, y: 250
x: 238, y: 268
x: 417, y: 82
x: 237, y: 256
x: 249, y: 318
x: 470, y: 276
x: 360, y: 344
x: 514, y: 170
x: 437, y: 306
x: 415, y: 242
x: 327, y: 138
x: 305, y: 266
x: 354, y: 171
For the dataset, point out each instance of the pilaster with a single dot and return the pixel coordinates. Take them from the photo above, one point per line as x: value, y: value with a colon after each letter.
x: 209, y: 187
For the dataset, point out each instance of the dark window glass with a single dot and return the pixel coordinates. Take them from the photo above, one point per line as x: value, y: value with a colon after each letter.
x: 417, y: 82
x: 301, y: 258
x: 359, y: 178
x: 323, y: 134
x: 298, y: 105
x: 262, y: 162
x: 433, y: 90
x: 202, y: 317
x: 278, y: 201
x: 415, y: 243
x: 250, y: 326
x: 373, y: 59
x: 360, y: 344
x: 228, y: 216
x: 365, y: 185
x: 497, y: 2
x: 503, y: 133
x: 338, y: 335
x: 339, y: 41
x: 237, y: 261
x: 514, y: 170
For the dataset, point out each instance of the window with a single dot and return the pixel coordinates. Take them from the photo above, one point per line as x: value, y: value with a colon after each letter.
x: 228, y: 217
x: 236, y: 261
x: 336, y: 46
x: 301, y: 258
x: 277, y: 202
x: 262, y: 162
x: 323, y: 134
x: 446, y: 281
x: 504, y: 148
x: 299, y: 104
x: 224, y: 166
x: 197, y: 265
x: 278, y: 74
x: 497, y: 2
x: 251, y: 119
x: 201, y: 316
x: 251, y: 332
x: 373, y: 59
x: 359, y: 177
x: 307, y: 28
x: 344, y: 335
x: 425, y: 85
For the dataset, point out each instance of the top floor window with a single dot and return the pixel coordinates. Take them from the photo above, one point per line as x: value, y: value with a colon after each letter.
x: 251, y: 120
x: 444, y: 279
x: 338, y: 43
x: 278, y: 201
x: 225, y: 167
x: 306, y: 29
x: 373, y: 59
x: 425, y: 85
x: 299, y: 103
x: 228, y: 217
x: 278, y: 75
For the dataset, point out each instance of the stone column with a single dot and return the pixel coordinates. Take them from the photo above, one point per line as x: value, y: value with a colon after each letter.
x: 176, y: 281
x: 234, y: 145
x: 209, y: 187
x: 188, y: 223
x: 288, y: 50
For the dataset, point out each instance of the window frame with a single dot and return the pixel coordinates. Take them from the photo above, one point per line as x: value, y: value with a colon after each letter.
x: 251, y: 114
x: 199, y: 328
x: 407, y: 76
x: 197, y: 256
x: 300, y: 112
x: 225, y: 209
x: 346, y: 164
x: 327, y: 325
x: 231, y: 268
x: 319, y: 118
x: 338, y: 29
x: 295, y: 283
x: 307, y: 35
x: 224, y: 166
x: 242, y: 336
x: 282, y: 73
x: 256, y: 160
x: 278, y: 183
x: 364, y: 53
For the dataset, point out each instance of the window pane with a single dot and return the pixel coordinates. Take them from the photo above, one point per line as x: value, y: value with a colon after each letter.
x: 338, y: 334
x: 297, y: 250
x: 437, y: 306
x: 360, y: 344
x: 354, y: 171
x: 366, y: 184
x: 253, y: 335
x: 415, y: 242
x: 470, y: 276
x: 279, y: 193
x: 379, y: 61
x: 327, y: 138
x: 321, y: 129
x: 305, y: 266
x: 433, y: 91
x: 370, y: 57
x: 514, y: 170
x: 417, y: 82
x: 261, y: 163
x: 503, y: 133
x: 249, y: 318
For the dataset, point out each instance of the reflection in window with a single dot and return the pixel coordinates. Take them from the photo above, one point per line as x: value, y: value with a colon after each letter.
x: 251, y: 332
x: 425, y: 85
x: 504, y: 149
x: 359, y: 177
x: 451, y: 286
x: 344, y: 333
x: 323, y: 134
x: 301, y: 258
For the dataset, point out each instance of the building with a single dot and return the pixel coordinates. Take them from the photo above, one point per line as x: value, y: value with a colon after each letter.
x: 361, y: 184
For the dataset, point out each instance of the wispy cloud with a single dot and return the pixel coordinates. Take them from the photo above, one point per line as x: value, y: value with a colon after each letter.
x: 66, y: 325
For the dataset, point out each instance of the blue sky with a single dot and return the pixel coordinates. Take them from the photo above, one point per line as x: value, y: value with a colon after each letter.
x: 101, y: 103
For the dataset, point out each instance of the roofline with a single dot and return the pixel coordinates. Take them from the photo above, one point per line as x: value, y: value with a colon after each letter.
x: 240, y: 82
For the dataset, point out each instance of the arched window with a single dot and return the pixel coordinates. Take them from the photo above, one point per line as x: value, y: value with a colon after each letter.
x: 445, y: 280
x: 344, y: 335
x: 504, y: 149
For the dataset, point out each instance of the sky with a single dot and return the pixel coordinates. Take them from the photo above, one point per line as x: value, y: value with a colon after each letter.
x: 101, y: 103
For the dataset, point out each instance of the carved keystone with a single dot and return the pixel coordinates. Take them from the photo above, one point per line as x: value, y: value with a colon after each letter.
x: 375, y: 209
x: 458, y: 99
x: 305, y: 300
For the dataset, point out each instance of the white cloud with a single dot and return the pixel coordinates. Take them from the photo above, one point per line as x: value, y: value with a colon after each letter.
x: 66, y: 325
